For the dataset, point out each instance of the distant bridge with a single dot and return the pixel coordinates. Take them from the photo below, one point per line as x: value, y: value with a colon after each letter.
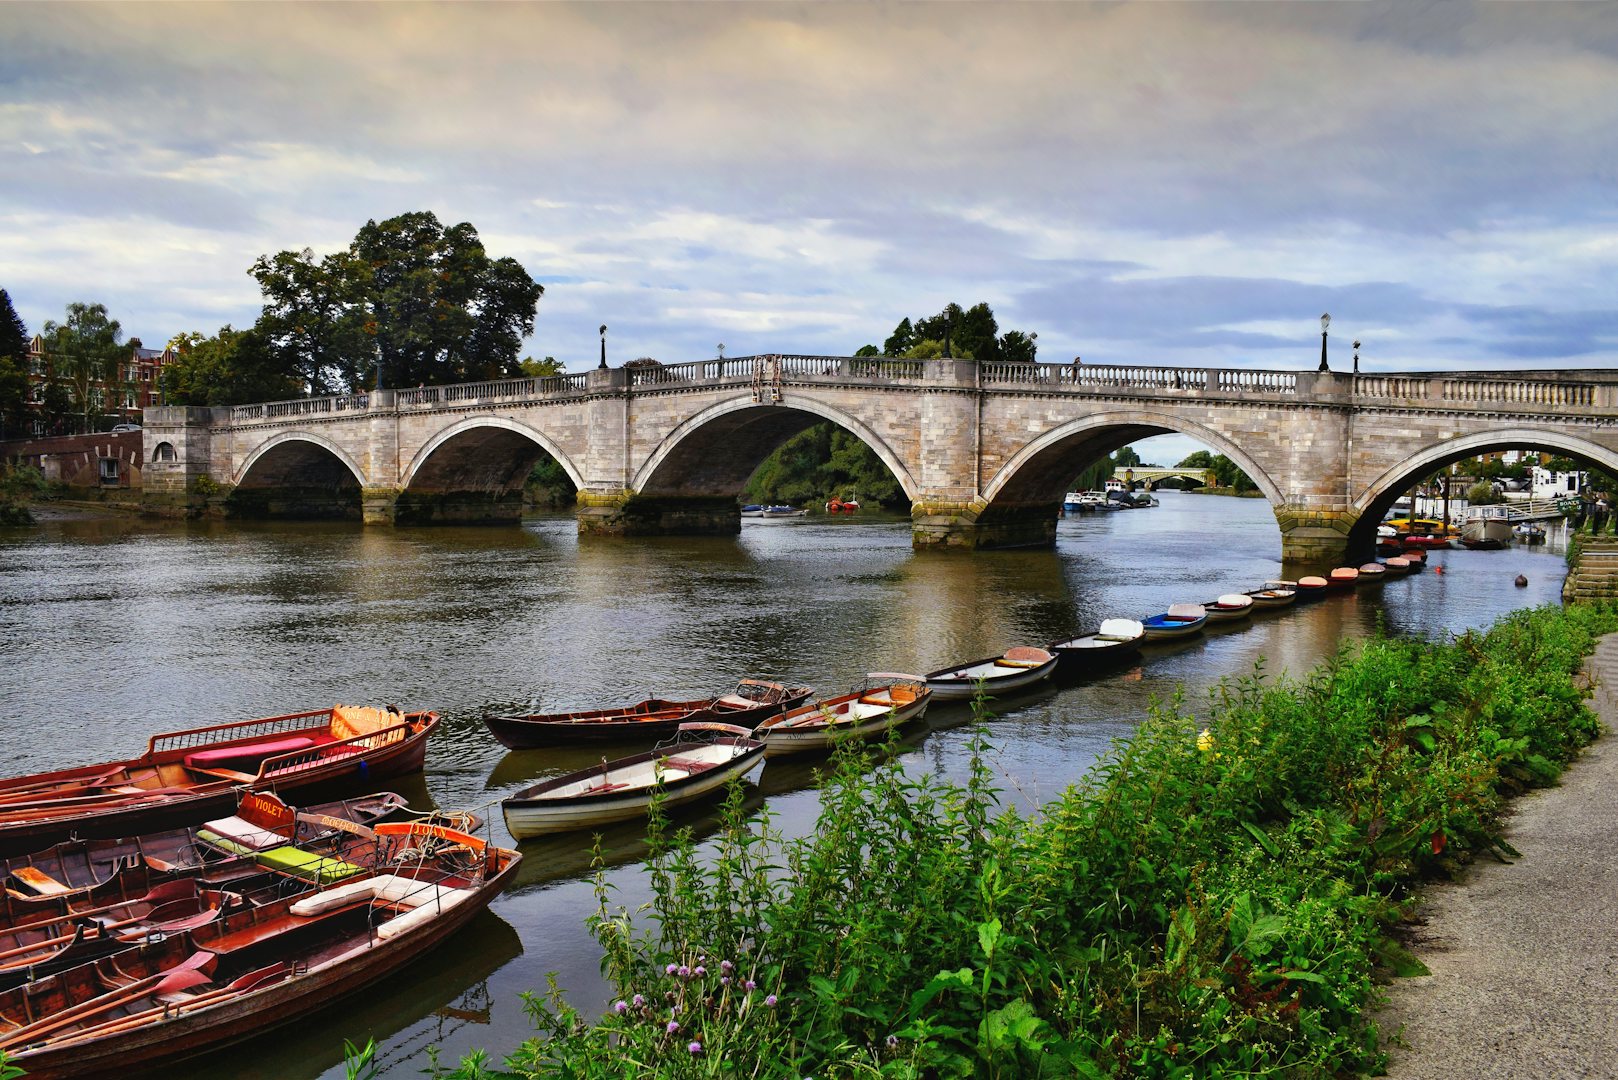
x: 1151, y: 477
x: 984, y: 451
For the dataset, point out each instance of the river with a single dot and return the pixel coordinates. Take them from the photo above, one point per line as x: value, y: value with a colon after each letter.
x: 113, y: 629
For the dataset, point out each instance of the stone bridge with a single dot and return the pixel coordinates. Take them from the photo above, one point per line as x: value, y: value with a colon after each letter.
x: 984, y: 451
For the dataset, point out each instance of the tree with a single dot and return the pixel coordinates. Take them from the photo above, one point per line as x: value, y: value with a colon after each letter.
x: 901, y: 340
x: 86, y: 352
x: 541, y: 369
x: 13, y: 369
x: 972, y: 336
x: 1125, y: 457
x: 868, y: 350
x: 410, y: 303
x: 231, y: 368
x: 1227, y: 474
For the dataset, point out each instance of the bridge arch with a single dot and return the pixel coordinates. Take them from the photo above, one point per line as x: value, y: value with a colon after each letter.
x: 309, y: 439
x: 473, y: 424
x: 1040, y: 471
x: 748, y: 431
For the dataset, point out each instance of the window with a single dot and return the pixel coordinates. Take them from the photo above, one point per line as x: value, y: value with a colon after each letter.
x: 164, y: 452
x: 109, y: 470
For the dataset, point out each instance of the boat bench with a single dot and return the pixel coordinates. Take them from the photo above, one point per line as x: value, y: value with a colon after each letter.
x: 602, y: 788
x: 690, y: 765
x: 248, y: 755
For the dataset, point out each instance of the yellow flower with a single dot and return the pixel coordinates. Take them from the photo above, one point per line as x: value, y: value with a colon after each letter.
x: 1205, y: 741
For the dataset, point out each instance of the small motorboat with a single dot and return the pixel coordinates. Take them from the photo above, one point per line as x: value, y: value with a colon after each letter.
x: 751, y: 701
x: 1015, y: 669
x: 752, y: 510
x: 1071, y: 504
x: 188, y: 776
x: 1275, y: 594
x: 1179, y: 621
x: 888, y: 702
x: 1372, y: 573
x: 699, y: 761
x: 1398, y: 565
x: 783, y: 512
x: 1387, y: 540
x: 1311, y: 587
x: 1117, y: 639
x: 842, y: 506
x: 1229, y: 608
x: 1342, y: 577
x: 1528, y: 533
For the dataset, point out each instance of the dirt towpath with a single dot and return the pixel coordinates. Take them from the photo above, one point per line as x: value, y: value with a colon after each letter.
x: 1524, y: 957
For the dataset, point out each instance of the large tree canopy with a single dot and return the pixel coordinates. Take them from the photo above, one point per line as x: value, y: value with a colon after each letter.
x: 410, y: 302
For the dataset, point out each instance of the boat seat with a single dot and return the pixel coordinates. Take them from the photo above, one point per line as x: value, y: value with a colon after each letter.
x: 39, y: 881
x: 244, y: 832
x: 602, y: 788
x: 248, y: 755
x: 1003, y: 662
x: 424, y: 899
x: 689, y: 765
x: 320, y: 869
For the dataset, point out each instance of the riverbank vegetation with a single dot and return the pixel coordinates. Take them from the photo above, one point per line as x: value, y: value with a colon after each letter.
x: 1220, y: 896
x: 19, y: 486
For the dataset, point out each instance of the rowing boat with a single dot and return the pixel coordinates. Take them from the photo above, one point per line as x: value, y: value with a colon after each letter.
x: 189, y: 776
x: 1115, y: 640
x: 699, y: 761
x: 752, y: 701
x: 1015, y: 669
x: 254, y: 967
x: 887, y: 703
x: 1179, y: 621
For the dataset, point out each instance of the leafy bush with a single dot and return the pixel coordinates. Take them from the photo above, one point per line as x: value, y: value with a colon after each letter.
x: 1216, y: 898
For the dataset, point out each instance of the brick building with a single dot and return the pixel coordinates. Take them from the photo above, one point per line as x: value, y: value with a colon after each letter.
x: 136, y: 385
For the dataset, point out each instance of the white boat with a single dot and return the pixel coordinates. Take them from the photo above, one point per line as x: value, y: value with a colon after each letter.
x: 1229, y: 607
x: 889, y: 702
x: 701, y: 760
x: 1275, y: 594
x: 1071, y: 503
x: 1015, y: 669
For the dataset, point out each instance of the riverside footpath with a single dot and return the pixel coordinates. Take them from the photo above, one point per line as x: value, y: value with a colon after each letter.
x: 1524, y: 956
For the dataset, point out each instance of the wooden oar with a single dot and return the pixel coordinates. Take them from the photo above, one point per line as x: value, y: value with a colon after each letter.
x: 169, y: 1010
x: 68, y: 1017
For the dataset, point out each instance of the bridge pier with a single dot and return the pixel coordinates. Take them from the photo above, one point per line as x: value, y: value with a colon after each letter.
x: 1313, y: 537
x: 628, y: 514
x: 944, y: 525
x: 412, y: 507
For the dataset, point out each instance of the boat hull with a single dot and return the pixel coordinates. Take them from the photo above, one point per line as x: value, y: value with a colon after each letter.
x: 1092, y: 652
x: 649, y: 721
x: 1160, y: 628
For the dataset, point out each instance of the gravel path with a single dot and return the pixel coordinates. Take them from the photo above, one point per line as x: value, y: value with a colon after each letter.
x: 1524, y: 957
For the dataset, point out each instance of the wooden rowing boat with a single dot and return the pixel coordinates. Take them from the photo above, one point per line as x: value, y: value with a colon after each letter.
x: 887, y: 703
x: 752, y: 701
x: 698, y: 762
x: 189, y: 776
x: 1343, y: 577
x: 79, y: 874
x: 1015, y: 669
x: 1311, y: 587
x: 254, y: 968
x: 1115, y: 640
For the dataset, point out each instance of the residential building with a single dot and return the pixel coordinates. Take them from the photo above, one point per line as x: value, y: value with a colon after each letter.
x: 137, y: 383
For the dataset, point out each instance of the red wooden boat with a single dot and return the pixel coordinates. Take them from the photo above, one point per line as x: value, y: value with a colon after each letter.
x: 80, y: 874
x: 189, y: 776
x: 753, y: 700
x: 255, y: 968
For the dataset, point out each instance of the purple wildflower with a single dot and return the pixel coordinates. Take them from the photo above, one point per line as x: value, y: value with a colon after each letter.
x: 724, y: 980
x: 695, y: 1048
x: 672, y: 1026
x: 685, y: 972
x: 750, y: 984
x: 671, y: 969
x: 770, y: 1001
x: 893, y: 1042
x: 701, y: 971
x: 639, y: 1001
x: 621, y: 1008
x: 726, y: 966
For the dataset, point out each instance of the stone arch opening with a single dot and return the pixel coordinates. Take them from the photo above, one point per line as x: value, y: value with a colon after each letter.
x: 715, y: 453
x: 477, y: 472
x: 1024, y: 495
x: 1381, y: 493
x: 163, y: 451
x: 299, y: 476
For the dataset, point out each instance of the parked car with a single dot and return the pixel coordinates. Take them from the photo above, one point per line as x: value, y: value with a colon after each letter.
x: 116, y: 428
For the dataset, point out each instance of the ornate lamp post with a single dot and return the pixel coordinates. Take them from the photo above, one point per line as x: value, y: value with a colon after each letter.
x: 603, y: 346
x: 1325, y: 321
x: 1356, y: 358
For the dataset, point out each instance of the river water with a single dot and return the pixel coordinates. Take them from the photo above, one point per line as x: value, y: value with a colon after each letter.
x: 113, y: 629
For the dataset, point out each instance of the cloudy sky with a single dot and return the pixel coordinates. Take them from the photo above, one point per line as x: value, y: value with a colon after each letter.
x: 1143, y: 184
